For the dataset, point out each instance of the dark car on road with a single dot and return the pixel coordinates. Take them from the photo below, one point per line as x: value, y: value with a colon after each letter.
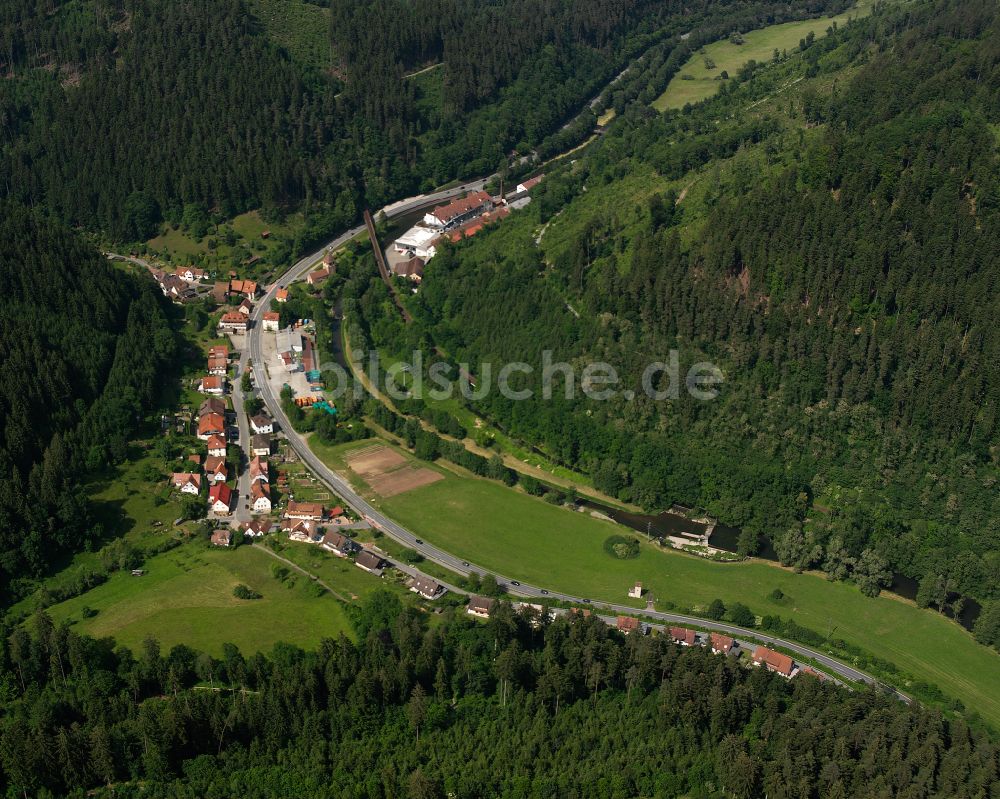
x: 514, y: 582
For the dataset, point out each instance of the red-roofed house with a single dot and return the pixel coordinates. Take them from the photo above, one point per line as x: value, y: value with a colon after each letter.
x: 309, y: 511
x: 216, y: 446
x: 454, y: 213
x: 215, y: 469
x: 218, y: 365
x: 233, y: 321
x: 213, y: 384
x: 721, y: 644
x: 220, y: 499
x: 222, y: 537
x: 627, y: 624
x: 259, y: 470
x: 774, y: 661
x: 260, y: 497
x: 281, y: 295
x: 317, y: 277
x: 186, y: 482
x: 245, y: 287
x: 272, y: 320
x: 211, y: 424
x: 683, y: 636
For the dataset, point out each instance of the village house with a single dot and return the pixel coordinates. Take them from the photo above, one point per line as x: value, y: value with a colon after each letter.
x: 370, y: 561
x: 222, y: 537
x: 299, y: 530
x: 413, y: 268
x: 195, y: 459
x: 260, y: 445
x: 721, y: 644
x: 215, y: 469
x: 627, y: 624
x: 317, y: 277
x: 220, y: 499
x: 211, y: 424
x: 271, y: 321
x: 635, y: 592
x: 245, y: 307
x: 247, y: 288
x: 261, y: 424
x: 259, y: 471
x: 339, y: 544
x: 218, y: 365
x: 190, y: 274
x: 216, y: 447
x: 811, y: 672
x: 186, y: 482
x: 683, y: 636
x: 281, y: 295
x: 260, y: 497
x: 173, y: 287
x: 309, y: 511
x: 233, y: 322
x: 426, y: 587
x: 774, y: 661
x: 212, y: 405
x: 480, y: 606
x: 258, y: 528
x: 212, y: 384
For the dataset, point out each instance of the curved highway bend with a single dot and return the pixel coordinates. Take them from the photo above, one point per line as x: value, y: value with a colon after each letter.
x: 403, y: 536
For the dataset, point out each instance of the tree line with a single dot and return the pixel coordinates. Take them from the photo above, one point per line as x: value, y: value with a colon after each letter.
x: 507, y: 708
x: 85, y: 348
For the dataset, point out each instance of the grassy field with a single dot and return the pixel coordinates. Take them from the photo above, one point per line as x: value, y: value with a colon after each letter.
x: 301, y: 28
x: 526, y: 538
x: 186, y: 596
x: 696, y: 82
x: 212, y: 253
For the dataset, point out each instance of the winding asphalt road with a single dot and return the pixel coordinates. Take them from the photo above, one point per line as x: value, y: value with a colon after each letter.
x: 455, y: 564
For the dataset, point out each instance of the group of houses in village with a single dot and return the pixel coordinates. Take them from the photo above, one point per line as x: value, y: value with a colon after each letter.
x: 453, y: 221
x: 186, y: 283
x: 721, y: 644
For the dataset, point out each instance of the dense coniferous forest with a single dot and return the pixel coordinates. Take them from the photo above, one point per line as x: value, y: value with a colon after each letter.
x: 458, y: 709
x: 84, y: 347
x: 117, y: 114
x: 849, y: 299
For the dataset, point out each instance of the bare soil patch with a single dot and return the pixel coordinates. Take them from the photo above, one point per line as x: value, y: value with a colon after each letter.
x: 388, y: 472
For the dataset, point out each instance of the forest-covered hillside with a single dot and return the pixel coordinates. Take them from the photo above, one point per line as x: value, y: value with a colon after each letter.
x: 459, y: 709
x: 840, y: 267
x: 84, y: 350
x: 117, y: 114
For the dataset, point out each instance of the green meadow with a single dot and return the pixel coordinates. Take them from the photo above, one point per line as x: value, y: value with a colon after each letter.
x: 526, y: 538
x: 186, y: 596
x: 697, y: 80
